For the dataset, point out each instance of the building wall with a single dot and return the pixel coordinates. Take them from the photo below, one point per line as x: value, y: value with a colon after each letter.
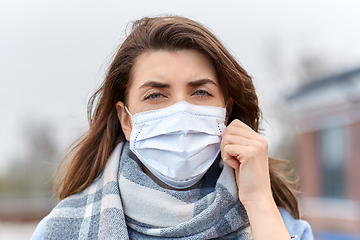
x: 352, y: 162
x: 308, y: 165
x: 327, y: 214
x: 327, y: 117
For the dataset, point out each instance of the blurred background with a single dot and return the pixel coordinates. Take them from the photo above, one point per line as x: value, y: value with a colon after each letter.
x: 304, y: 57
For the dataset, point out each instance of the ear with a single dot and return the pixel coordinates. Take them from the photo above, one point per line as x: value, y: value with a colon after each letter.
x: 229, y: 106
x: 125, y: 119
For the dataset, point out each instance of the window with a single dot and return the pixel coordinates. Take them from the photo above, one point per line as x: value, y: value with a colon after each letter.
x: 332, y: 160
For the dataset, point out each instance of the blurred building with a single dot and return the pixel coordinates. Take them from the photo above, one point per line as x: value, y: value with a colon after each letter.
x: 26, y: 187
x: 326, y: 113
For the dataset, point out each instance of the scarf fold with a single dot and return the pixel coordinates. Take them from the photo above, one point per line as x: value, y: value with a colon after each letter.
x: 125, y: 203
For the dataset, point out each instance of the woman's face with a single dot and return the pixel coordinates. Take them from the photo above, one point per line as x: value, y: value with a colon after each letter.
x: 163, y: 78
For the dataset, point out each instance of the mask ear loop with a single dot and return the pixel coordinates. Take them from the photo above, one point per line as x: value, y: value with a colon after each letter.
x: 127, y: 110
x: 131, y: 116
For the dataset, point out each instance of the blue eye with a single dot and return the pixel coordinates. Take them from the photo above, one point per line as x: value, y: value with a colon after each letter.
x: 202, y: 93
x: 153, y: 96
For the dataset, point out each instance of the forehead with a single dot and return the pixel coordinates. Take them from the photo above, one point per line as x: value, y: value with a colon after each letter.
x: 172, y: 65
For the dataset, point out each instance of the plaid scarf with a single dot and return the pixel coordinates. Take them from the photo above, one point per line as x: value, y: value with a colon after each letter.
x: 125, y: 203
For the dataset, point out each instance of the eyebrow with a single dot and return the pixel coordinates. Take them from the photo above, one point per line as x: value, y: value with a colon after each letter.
x: 155, y: 84
x: 200, y: 82
x: 195, y: 83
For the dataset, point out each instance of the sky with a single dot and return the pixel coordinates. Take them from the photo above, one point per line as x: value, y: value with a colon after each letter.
x: 54, y: 54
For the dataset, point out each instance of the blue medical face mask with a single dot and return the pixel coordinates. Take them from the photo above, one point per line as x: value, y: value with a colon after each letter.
x: 178, y: 144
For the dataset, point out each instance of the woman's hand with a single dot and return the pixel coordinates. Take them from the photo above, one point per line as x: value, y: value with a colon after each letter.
x: 247, y: 152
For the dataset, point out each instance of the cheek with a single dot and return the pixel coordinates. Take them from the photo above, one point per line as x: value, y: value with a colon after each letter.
x: 220, y: 99
x: 219, y: 96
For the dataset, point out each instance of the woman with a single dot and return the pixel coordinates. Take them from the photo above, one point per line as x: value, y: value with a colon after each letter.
x: 158, y: 160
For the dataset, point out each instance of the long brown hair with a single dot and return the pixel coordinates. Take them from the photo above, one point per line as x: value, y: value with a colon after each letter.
x: 87, y: 158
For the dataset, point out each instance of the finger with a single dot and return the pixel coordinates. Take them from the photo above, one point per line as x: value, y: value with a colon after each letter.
x: 233, y: 155
x: 240, y: 124
x: 246, y: 133
x: 233, y: 163
x: 239, y: 152
x: 230, y: 159
x: 235, y: 140
x: 231, y: 130
x: 238, y: 128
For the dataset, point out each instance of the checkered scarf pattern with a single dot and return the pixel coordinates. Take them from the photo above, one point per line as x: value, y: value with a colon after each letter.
x: 124, y: 203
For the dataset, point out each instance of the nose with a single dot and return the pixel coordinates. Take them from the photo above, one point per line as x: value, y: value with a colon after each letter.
x: 180, y: 95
